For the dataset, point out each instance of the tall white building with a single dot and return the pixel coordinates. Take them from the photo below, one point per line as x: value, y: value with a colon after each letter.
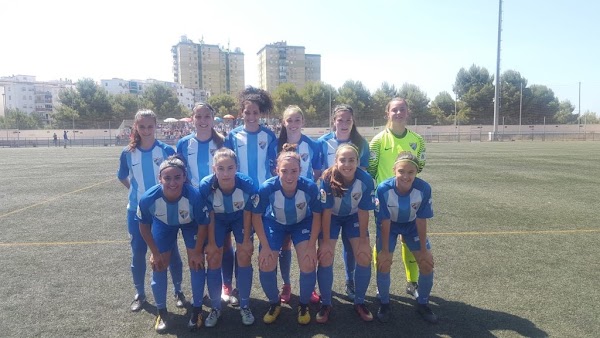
x: 24, y: 93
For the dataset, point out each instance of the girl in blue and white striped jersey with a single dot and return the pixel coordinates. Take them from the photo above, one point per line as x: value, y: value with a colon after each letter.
x: 254, y: 144
x: 347, y: 194
x: 287, y: 204
x: 227, y: 194
x: 310, y: 167
x: 163, y: 210
x: 344, y: 131
x: 198, y: 150
x: 138, y: 171
x: 403, y: 209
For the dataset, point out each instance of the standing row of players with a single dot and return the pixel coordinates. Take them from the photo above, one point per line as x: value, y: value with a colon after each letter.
x: 218, y: 186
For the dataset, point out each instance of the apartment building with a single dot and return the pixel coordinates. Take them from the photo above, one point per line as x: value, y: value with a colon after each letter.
x: 24, y: 93
x: 280, y: 63
x: 211, y: 68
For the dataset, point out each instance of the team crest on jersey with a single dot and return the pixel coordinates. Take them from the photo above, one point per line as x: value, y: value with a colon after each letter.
x: 238, y: 205
x: 413, y: 146
x: 301, y: 206
x: 323, y: 196
x: 255, y: 200
x: 356, y: 196
x: 184, y: 214
x: 262, y: 144
x: 157, y: 161
x: 304, y: 157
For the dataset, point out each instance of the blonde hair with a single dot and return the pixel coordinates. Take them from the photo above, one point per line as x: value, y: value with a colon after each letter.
x: 388, y: 124
x: 291, y: 109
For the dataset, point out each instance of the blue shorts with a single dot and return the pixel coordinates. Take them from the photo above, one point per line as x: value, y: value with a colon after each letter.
x: 409, y: 234
x: 223, y: 228
x: 347, y: 224
x: 165, y: 236
x: 276, y: 232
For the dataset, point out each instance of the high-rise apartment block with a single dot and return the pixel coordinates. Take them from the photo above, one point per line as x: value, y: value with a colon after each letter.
x: 279, y: 63
x: 210, y: 68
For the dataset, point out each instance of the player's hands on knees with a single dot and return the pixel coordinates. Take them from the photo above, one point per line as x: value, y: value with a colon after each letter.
x: 196, y: 260
x: 325, y: 252
x: 384, y: 261
x: 309, y: 258
x: 425, y: 261
x: 267, y: 258
x: 211, y: 251
x: 363, y: 254
x: 158, y: 262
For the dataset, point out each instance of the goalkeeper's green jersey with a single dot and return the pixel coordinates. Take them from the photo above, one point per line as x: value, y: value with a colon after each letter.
x: 386, y: 146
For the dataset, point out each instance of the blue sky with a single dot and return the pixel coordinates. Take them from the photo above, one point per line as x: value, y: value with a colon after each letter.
x: 554, y: 43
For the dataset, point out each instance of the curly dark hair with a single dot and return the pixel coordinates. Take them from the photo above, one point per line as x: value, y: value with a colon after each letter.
x: 256, y: 95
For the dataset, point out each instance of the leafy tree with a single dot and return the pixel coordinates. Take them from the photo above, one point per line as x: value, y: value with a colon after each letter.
x: 442, y: 108
x: 417, y: 103
x: 355, y: 94
x: 163, y: 101
x: 380, y: 99
x: 510, y: 96
x: 316, y: 98
x: 124, y: 106
x: 474, y: 87
x: 17, y: 119
x: 224, y: 104
x: 565, y: 113
x: 284, y: 95
x: 88, y: 105
x: 589, y: 118
x: 540, y: 104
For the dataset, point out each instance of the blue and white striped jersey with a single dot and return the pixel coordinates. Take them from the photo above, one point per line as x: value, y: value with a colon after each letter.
x: 360, y: 195
x: 141, y: 166
x: 310, y: 155
x: 256, y: 152
x: 198, y: 157
x: 329, y: 144
x: 189, y: 210
x: 403, y: 208
x: 272, y: 203
x: 230, y: 206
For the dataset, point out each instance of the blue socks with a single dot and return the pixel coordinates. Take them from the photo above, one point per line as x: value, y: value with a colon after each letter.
x: 362, y: 279
x: 325, y: 277
x: 176, y: 267
x: 227, y: 266
x: 214, y: 282
x: 285, y: 263
x: 138, y: 271
x: 307, y: 285
x: 244, y: 283
x: 383, y: 285
x: 268, y: 280
x: 159, y: 289
x: 197, y: 278
x: 349, y: 261
x: 425, y: 286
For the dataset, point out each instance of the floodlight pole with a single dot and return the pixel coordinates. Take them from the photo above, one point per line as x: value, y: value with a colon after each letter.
x: 520, y: 109
x: 497, y: 92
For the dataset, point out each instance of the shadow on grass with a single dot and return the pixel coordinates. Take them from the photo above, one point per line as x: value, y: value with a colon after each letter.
x: 456, y: 319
